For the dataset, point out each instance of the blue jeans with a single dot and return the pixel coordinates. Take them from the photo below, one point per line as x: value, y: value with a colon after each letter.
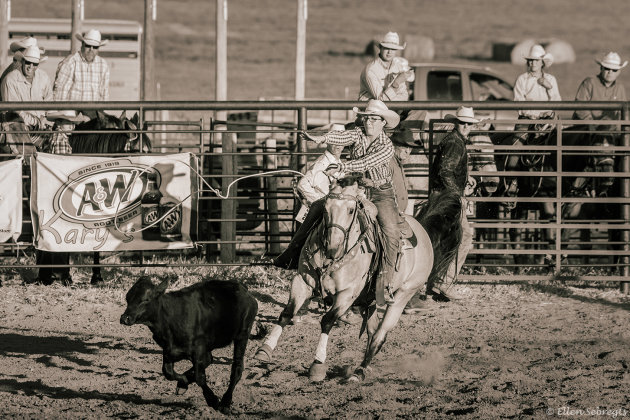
x: 388, y: 219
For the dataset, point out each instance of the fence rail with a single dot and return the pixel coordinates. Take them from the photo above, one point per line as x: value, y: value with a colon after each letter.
x: 263, y: 135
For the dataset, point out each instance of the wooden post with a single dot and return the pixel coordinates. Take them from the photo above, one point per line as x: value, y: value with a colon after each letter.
x: 4, y: 33
x: 147, y: 87
x: 78, y: 14
x: 300, y: 56
x: 221, y: 59
x: 271, y: 164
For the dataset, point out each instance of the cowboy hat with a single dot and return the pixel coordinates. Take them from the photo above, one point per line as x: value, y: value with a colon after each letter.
x: 612, y: 61
x: 537, y: 52
x: 391, y: 41
x: 376, y: 107
x: 463, y: 114
x: 67, y: 115
x: 24, y: 43
x: 32, y: 54
x: 92, y: 37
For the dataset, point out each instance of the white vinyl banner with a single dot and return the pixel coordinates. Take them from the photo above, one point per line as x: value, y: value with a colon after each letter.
x: 88, y: 203
x: 11, y: 199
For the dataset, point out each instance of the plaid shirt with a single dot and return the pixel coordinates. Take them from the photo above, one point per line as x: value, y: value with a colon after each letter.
x: 59, y: 143
x: 372, y: 158
x: 78, y: 80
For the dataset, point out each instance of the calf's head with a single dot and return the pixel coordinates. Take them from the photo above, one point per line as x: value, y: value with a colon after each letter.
x: 139, y: 297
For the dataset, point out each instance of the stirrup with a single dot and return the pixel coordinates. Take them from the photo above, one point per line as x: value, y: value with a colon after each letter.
x: 389, y: 294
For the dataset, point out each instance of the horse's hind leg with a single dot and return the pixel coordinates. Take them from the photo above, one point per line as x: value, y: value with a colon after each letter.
x: 97, y: 279
x: 300, y: 293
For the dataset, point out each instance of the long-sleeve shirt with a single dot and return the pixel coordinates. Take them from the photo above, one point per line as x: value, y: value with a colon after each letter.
x: 593, y: 89
x: 365, y: 157
x: 78, y: 80
x: 315, y: 183
x: 527, y: 88
x: 16, y: 88
x: 15, y: 64
x: 377, y: 77
x: 450, y: 164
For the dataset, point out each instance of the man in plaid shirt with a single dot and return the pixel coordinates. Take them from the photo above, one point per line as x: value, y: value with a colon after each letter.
x: 83, y: 76
x: 370, y: 153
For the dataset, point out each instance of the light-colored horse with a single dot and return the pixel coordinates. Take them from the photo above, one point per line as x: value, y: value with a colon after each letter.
x: 336, y: 262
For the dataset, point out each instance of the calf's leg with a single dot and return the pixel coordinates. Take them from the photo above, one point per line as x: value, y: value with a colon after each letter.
x: 238, y: 364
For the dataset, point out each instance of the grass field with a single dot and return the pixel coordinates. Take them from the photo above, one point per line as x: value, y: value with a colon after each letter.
x: 261, y: 38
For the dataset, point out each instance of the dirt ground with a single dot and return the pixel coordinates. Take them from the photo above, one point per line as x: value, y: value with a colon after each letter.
x: 506, y: 351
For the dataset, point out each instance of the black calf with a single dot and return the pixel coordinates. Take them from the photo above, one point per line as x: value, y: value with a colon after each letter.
x: 189, y: 323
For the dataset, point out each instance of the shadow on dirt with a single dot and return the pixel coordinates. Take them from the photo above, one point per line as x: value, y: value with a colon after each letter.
x: 31, y: 388
x: 567, y: 293
x: 263, y: 298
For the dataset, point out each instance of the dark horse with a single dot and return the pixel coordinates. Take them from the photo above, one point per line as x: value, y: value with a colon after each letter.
x: 536, y: 183
x: 94, y: 143
x: 339, y: 260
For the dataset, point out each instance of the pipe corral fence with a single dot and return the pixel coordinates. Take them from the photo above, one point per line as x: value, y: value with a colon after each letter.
x: 254, y: 137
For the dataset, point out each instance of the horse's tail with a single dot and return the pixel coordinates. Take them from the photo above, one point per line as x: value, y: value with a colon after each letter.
x: 440, y: 217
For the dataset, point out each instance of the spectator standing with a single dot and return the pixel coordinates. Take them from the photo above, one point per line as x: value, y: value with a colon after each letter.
x: 385, y: 78
x: 17, y: 48
x: 84, y: 75
x: 603, y: 87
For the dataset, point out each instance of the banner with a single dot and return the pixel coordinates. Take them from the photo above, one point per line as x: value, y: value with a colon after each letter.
x: 88, y: 203
x: 11, y: 199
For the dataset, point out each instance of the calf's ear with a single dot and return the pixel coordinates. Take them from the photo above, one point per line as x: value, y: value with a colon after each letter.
x: 161, y: 288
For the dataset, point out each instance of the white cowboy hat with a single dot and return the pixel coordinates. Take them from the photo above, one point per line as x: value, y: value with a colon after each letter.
x: 612, y: 61
x: 391, y: 41
x: 92, y: 37
x: 376, y: 107
x: 33, y: 55
x: 67, y: 115
x: 24, y: 43
x: 537, y: 52
x: 463, y: 114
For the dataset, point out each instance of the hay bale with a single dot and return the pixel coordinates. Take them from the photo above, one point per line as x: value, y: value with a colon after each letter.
x: 419, y: 48
x: 561, y: 50
x: 520, y: 50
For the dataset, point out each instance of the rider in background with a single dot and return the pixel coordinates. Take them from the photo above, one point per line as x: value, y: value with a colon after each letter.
x: 370, y: 153
x: 603, y: 87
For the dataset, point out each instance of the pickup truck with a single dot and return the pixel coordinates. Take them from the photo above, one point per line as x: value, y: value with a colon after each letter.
x: 462, y: 82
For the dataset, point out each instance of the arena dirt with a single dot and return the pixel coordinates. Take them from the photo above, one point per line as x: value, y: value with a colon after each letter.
x: 506, y: 351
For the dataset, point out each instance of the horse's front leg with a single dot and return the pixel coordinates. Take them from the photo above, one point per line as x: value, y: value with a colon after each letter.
x: 343, y: 301
x: 97, y: 279
x: 300, y: 293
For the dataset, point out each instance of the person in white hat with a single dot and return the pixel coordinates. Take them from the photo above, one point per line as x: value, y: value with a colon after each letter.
x: 449, y: 170
x: 84, y: 75
x: 535, y: 84
x: 17, y: 48
x: 29, y: 84
x: 370, y: 153
x: 603, y: 87
x: 385, y: 78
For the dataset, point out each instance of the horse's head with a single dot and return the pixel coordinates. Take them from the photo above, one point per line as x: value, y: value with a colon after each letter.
x: 130, y: 142
x: 601, y: 161
x: 340, y: 213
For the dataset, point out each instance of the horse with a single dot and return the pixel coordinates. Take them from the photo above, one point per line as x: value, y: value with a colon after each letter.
x: 339, y: 261
x: 541, y: 185
x: 96, y: 143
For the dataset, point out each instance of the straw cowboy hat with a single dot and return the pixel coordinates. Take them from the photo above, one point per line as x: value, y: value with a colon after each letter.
x: 463, y: 114
x: 391, y: 41
x: 24, y: 43
x: 92, y: 37
x: 376, y: 107
x: 32, y: 54
x: 537, y: 52
x: 612, y: 61
x: 67, y: 115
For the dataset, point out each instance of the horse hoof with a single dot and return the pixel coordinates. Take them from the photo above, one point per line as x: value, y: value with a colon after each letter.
x: 264, y: 353
x: 353, y: 378
x: 181, y: 390
x: 317, y: 372
x: 357, y: 376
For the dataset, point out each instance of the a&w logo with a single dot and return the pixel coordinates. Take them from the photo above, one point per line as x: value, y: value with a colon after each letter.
x: 94, y: 195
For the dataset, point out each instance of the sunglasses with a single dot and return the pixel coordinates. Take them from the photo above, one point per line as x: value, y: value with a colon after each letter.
x: 90, y: 47
x: 372, y: 119
x: 30, y: 63
x: 611, y: 70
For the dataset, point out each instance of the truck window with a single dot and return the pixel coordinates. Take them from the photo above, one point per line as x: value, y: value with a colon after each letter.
x: 444, y: 86
x: 489, y: 88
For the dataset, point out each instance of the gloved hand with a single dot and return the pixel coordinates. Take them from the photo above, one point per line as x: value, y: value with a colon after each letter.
x: 400, y: 79
x: 471, y: 186
x: 544, y: 83
x: 331, y: 170
x: 316, y: 139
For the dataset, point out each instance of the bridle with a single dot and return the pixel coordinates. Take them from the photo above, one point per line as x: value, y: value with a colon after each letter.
x: 329, y: 225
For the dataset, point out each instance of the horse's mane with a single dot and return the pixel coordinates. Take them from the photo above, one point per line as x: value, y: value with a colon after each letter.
x: 440, y: 217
